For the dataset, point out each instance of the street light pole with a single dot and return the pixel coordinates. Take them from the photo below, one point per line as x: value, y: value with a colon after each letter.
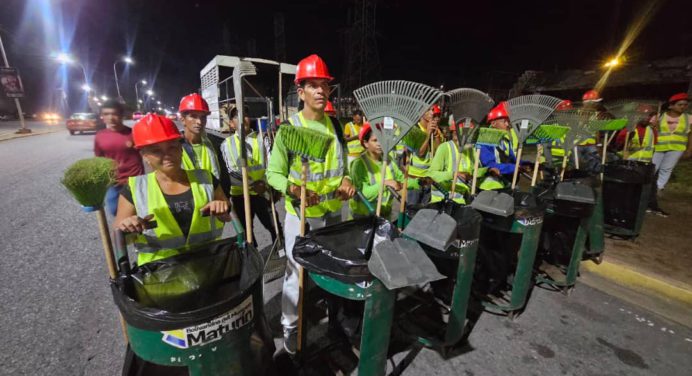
x: 23, y: 128
x: 126, y: 60
x: 143, y: 82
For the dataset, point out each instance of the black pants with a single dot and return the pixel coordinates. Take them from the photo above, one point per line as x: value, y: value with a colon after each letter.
x: 261, y: 209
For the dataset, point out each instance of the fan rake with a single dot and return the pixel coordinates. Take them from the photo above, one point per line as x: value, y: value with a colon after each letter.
x: 467, y: 105
x: 526, y: 113
x: 386, y: 103
x: 578, y: 122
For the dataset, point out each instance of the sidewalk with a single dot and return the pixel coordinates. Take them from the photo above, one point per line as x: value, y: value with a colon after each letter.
x: 8, y: 129
x: 658, y: 264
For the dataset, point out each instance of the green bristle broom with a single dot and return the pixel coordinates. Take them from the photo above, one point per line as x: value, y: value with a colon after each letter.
x: 484, y: 137
x: 313, y: 145
x: 546, y: 134
x: 88, y: 181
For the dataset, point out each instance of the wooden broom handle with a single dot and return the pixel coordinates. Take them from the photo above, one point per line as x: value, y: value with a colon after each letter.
x: 380, y: 191
x: 516, y: 167
x: 536, y: 164
x: 475, y: 171
x: 404, y: 188
x: 455, y: 170
x: 110, y: 258
x: 246, y: 202
x: 564, y: 166
x: 625, y: 152
x: 301, y: 272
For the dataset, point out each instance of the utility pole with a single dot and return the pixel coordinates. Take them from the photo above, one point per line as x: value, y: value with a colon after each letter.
x: 23, y: 128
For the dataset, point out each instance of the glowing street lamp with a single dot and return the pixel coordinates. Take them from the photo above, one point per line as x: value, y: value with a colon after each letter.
x: 158, y: 102
x: 86, y: 88
x: 104, y: 98
x: 150, y: 93
x: 126, y: 60
x: 612, y: 63
x: 67, y: 59
x: 142, y: 82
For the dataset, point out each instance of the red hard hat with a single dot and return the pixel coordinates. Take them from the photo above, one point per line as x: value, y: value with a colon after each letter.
x: 153, y: 129
x: 312, y: 67
x: 453, y: 126
x: 679, y: 97
x: 363, y: 131
x: 193, y: 102
x: 591, y: 96
x: 329, y: 108
x: 499, y: 112
x: 566, y: 104
x: 436, y: 110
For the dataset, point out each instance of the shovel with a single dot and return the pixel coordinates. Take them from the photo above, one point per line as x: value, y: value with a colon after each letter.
x: 434, y: 228
x: 402, y: 262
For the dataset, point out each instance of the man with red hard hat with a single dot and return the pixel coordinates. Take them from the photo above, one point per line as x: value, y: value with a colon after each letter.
x: 327, y: 183
x: 674, y: 141
x: 198, y: 151
x: 500, y: 160
x: 420, y: 161
x: 329, y: 109
x: 589, y: 157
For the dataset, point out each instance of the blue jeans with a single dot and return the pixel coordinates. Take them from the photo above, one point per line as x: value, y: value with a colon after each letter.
x: 112, y: 199
x: 665, y: 162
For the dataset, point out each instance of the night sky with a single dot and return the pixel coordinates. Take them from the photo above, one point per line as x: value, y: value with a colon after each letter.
x: 455, y: 43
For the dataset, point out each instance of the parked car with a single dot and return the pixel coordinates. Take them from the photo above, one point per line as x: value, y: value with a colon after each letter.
x: 137, y: 115
x: 84, y: 122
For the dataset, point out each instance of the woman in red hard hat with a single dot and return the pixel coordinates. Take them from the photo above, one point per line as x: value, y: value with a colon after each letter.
x: 674, y: 141
x: 186, y: 204
x: 198, y: 152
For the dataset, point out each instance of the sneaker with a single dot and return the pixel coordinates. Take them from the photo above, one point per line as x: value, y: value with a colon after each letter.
x: 661, y: 213
x: 291, y: 342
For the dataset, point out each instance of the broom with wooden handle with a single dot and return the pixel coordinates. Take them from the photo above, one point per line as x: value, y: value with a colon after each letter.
x: 309, y: 145
x: 88, y: 181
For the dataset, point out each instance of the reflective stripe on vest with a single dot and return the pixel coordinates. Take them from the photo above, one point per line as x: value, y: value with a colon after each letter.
x: 643, y: 151
x: 420, y: 165
x: 323, y: 178
x: 202, y: 157
x: 230, y: 151
x: 464, y: 165
x: 167, y: 238
x: 375, y: 177
x: 673, y: 141
x: 354, y: 146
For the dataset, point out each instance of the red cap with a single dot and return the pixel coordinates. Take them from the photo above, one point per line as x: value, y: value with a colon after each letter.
x: 499, y: 112
x: 453, y: 126
x: 591, y: 96
x: 566, y: 104
x: 363, y: 131
x: 329, y: 108
x: 436, y: 110
x: 679, y: 97
x: 312, y: 67
x: 153, y: 129
x: 193, y: 102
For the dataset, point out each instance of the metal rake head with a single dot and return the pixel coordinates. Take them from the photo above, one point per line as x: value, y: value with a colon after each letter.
x: 467, y: 103
x: 634, y: 110
x: 577, y: 121
x: 398, y: 102
x: 527, y: 112
x: 244, y: 68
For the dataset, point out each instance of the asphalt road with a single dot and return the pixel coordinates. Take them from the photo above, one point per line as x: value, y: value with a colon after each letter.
x: 57, y: 316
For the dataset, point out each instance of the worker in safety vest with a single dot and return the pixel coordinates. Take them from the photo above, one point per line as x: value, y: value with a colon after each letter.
x: 673, y: 138
x: 351, y: 132
x: 230, y: 151
x: 500, y: 160
x: 330, y: 110
x: 442, y: 168
x: 328, y: 183
x: 366, y: 175
x: 420, y: 162
x: 198, y: 151
x: 175, y: 198
x: 641, y: 147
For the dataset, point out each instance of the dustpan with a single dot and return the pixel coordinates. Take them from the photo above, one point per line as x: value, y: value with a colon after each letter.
x: 402, y: 262
x: 434, y: 228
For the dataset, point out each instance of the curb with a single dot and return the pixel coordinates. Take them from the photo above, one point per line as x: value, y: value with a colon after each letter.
x: 12, y: 136
x: 638, y: 281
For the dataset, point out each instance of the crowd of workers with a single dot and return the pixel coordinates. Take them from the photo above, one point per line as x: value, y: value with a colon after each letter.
x: 185, y: 197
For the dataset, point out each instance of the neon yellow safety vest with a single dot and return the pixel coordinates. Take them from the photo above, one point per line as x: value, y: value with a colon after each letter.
x: 643, y: 151
x: 556, y: 149
x: 200, y: 156
x: 673, y: 141
x: 420, y: 165
x: 230, y: 150
x: 167, y: 239
x: 324, y: 178
x: 354, y: 146
x: 464, y: 163
x: 374, y: 177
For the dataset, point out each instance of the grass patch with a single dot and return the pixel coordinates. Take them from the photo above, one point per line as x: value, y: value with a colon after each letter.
x: 681, y: 181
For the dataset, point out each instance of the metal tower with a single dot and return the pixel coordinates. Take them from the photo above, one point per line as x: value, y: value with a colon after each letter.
x: 362, y: 57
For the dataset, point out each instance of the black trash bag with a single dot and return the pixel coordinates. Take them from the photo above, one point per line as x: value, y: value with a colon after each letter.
x: 190, y: 288
x: 583, y: 177
x: 629, y: 172
x: 468, y: 229
x: 342, y: 251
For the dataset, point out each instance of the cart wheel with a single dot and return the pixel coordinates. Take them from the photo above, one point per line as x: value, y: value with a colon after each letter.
x: 512, y: 315
x: 598, y: 259
x: 567, y: 290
